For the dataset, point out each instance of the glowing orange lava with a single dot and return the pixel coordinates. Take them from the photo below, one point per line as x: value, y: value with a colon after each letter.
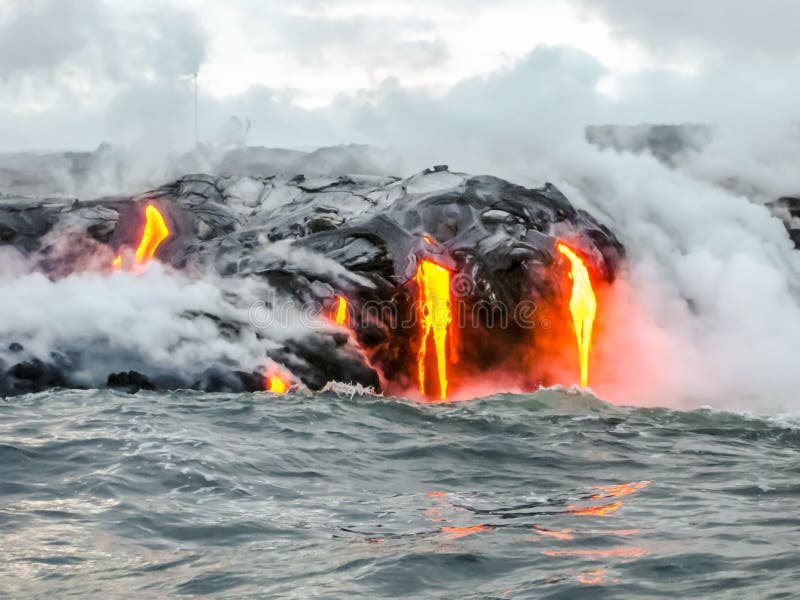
x: 435, y: 316
x: 276, y: 384
x: 583, y: 306
x: 155, y: 232
x: 341, y: 312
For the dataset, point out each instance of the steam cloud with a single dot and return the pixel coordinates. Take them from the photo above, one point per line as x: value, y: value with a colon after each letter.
x: 124, y: 321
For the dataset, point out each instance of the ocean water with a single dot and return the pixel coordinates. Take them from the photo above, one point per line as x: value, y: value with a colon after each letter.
x: 547, y: 495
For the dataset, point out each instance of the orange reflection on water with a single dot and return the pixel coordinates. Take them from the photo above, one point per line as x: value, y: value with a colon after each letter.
x: 434, y: 513
x: 606, y: 509
x: 626, y: 552
x: 622, y: 489
x: 617, y: 532
x: 564, y: 534
x: 459, y: 532
x: 592, y: 577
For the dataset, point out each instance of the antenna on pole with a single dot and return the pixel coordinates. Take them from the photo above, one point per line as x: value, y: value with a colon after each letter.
x: 196, y: 126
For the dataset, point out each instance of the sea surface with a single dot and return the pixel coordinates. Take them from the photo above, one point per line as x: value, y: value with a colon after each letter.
x: 548, y: 495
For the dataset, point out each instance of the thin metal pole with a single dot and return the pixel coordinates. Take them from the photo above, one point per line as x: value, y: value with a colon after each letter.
x: 196, y: 126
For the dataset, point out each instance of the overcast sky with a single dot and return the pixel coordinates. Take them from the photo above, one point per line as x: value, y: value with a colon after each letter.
x: 76, y: 72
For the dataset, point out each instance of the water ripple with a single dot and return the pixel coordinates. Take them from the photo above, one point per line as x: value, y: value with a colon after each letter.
x: 553, y: 494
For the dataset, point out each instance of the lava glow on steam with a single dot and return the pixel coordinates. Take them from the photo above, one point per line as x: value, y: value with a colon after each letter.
x: 155, y: 231
x: 435, y: 311
x: 583, y: 306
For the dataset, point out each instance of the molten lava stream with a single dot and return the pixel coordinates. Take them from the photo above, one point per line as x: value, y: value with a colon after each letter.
x: 583, y: 306
x: 276, y: 384
x: 155, y: 231
x: 435, y: 310
x: 341, y: 312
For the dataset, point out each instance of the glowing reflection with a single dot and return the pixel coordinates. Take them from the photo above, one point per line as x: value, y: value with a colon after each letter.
x: 597, y: 511
x: 625, y: 552
x: 622, y: 489
x: 564, y: 534
x: 459, y: 532
x: 592, y: 577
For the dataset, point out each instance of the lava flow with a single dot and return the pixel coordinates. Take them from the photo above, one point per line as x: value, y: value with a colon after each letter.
x: 276, y: 384
x: 435, y: 310
x: 155, y: 232
x: 583, y: 306
x: 341, y: 312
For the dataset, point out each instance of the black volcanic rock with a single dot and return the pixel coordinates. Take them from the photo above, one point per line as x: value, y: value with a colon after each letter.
x: 130, y: 381
x: 31, y: 376
x: 312, y: 238
x: 787, y: 209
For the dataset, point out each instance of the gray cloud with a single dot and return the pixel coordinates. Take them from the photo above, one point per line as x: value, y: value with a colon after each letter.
x: 138, y: 61
x: 86, y: 37
x: 729, y: 28
x: 370, y: 41
x: 44, y: 35
x: 177, y: 43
